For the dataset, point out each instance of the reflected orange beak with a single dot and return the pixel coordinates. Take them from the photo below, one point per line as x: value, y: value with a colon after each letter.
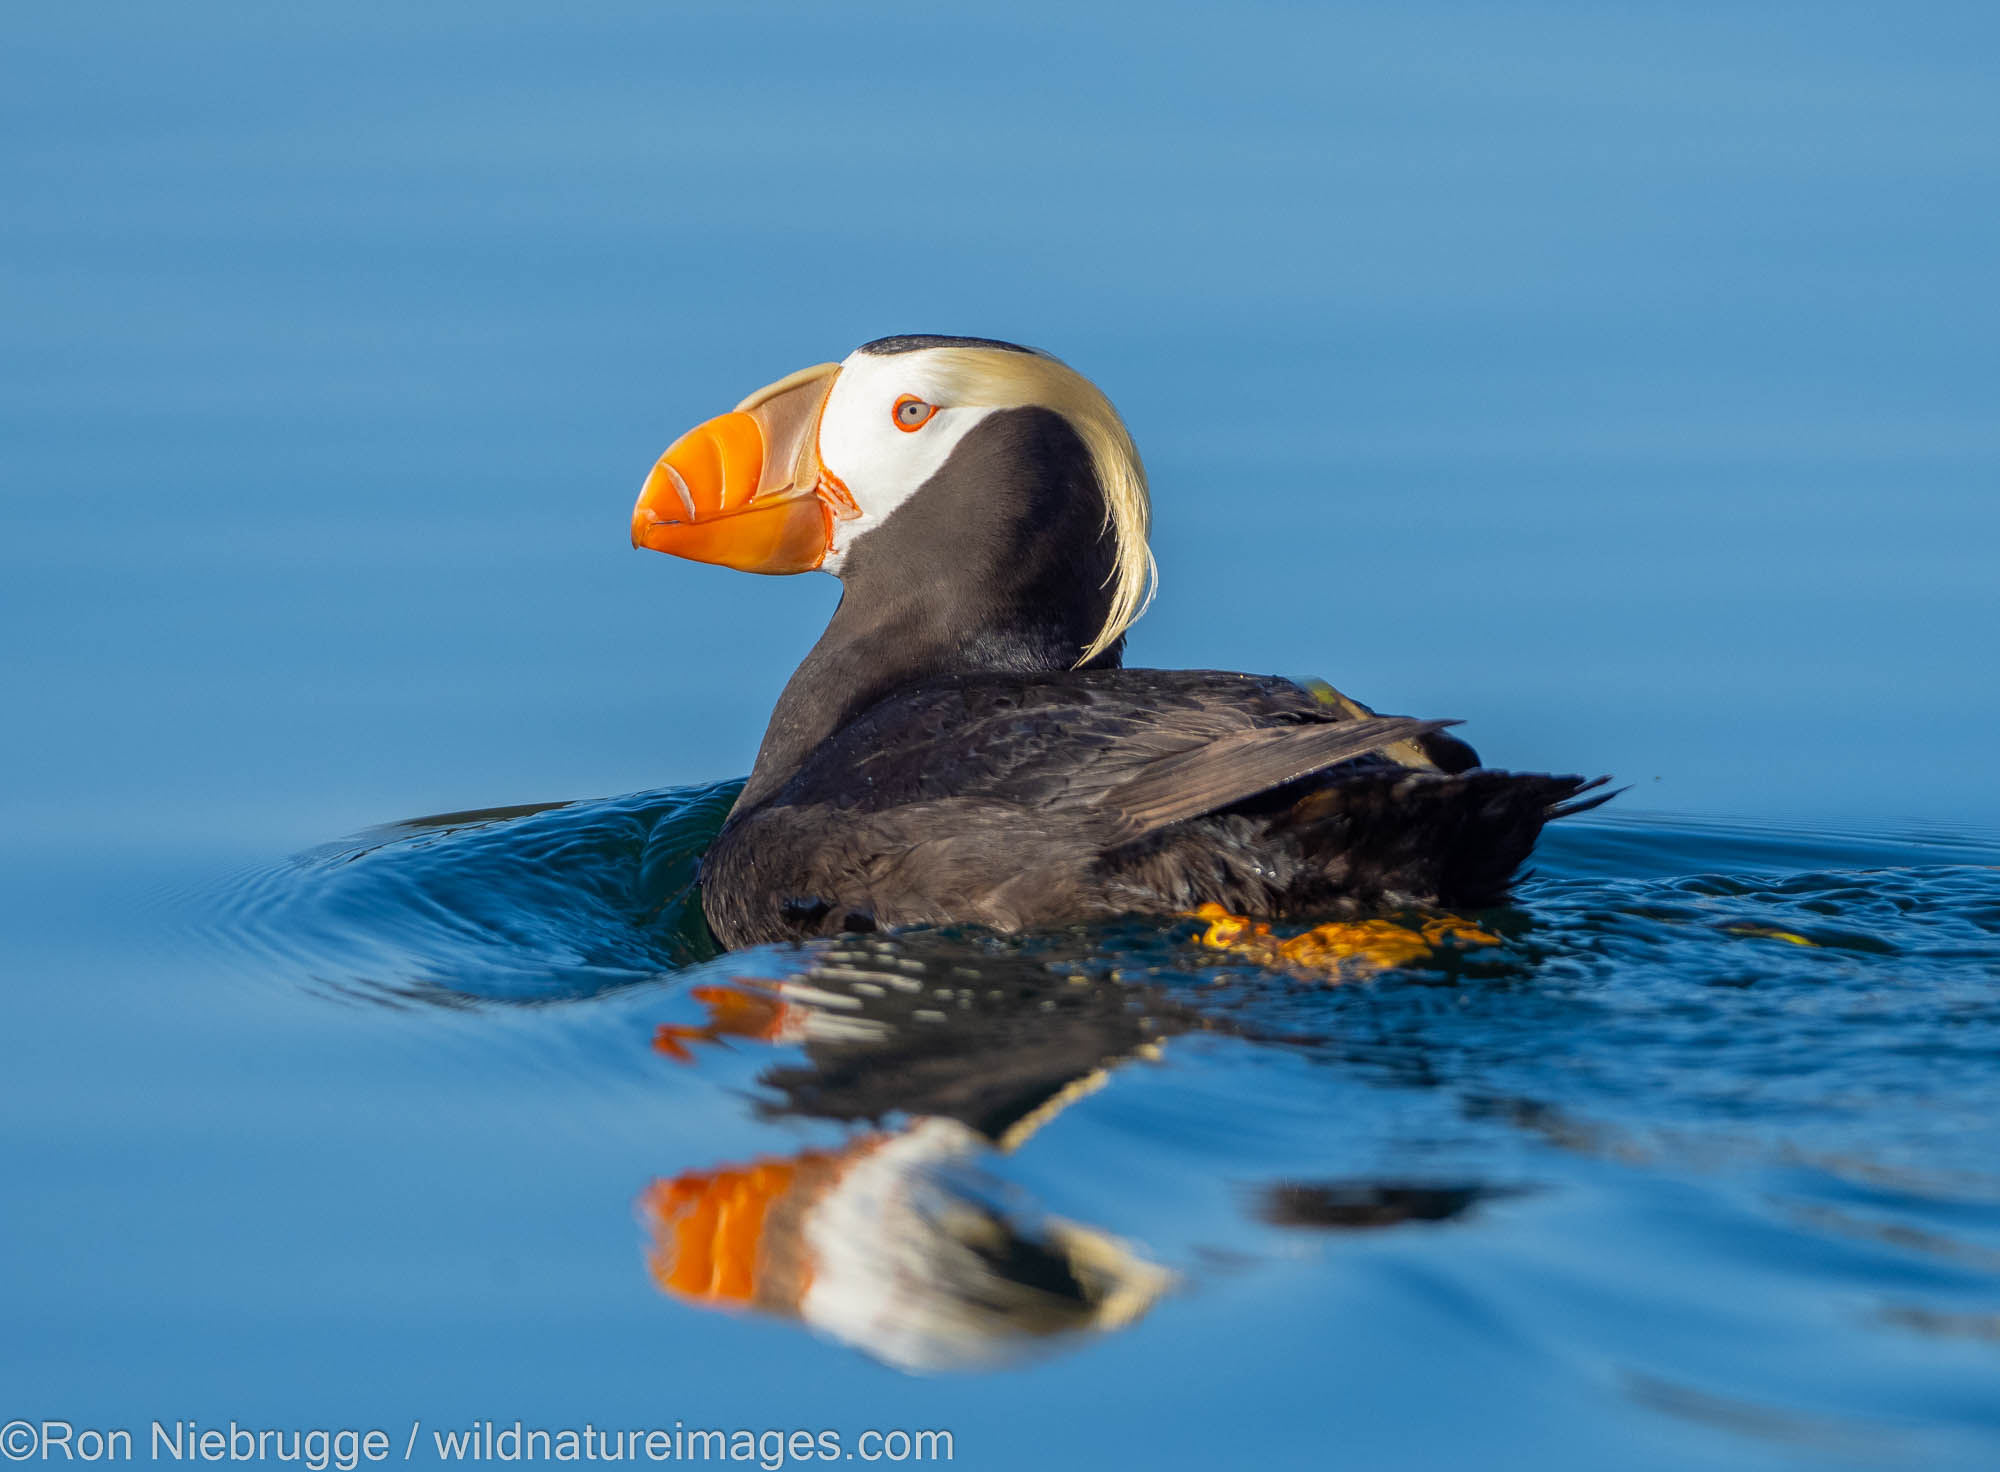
x: 708, y: 1229
x: 746, y: 489
x: 734, y: 1235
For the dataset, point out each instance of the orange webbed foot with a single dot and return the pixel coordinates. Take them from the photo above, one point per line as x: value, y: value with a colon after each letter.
x: 1340, y: 950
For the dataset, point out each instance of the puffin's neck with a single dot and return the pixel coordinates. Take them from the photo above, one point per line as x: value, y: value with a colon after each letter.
x: 999, y: 562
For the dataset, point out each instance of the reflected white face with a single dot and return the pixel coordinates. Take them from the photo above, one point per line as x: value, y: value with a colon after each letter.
x: 887, y: 427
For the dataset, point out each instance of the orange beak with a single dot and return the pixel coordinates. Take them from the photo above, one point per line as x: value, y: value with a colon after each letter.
x: 746, y: 489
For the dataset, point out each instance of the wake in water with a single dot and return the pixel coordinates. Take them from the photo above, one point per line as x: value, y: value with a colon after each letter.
x: 565, y: 900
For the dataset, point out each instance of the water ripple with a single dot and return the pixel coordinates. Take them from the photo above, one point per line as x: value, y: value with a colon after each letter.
x: 1758, y: 1064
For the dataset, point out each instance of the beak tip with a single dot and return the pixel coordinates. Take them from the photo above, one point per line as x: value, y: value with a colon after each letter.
x: 643, y: 522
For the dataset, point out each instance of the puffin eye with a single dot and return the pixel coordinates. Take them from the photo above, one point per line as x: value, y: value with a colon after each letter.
x: 912, y: 412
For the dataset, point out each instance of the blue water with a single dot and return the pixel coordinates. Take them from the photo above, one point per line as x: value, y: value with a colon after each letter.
x: 1619, y: 380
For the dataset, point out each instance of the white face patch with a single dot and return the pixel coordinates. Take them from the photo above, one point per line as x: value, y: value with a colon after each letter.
x: 882, y: 465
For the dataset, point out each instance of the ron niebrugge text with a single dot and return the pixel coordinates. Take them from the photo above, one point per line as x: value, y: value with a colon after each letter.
x: 325, y: 1449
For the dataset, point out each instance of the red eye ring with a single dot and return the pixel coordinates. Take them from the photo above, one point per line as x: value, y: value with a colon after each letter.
x: 911, y: 413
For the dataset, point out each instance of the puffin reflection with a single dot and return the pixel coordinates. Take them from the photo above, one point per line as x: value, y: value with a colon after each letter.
x: 945, y: 1051
x: 898, y: 1242
x: 893, y: 1244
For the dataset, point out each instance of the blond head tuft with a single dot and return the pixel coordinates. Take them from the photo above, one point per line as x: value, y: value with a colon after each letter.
x: 1000, y: 378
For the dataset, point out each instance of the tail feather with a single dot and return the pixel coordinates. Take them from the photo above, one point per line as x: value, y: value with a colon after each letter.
x: 1454, y: 840
x: 1363, y: 840
x: 1584, y: 805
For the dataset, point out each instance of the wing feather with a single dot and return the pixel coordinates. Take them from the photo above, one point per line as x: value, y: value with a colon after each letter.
x: 1245, y: 763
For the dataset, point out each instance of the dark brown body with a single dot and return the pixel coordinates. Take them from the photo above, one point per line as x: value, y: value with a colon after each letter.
x: 1008, y: 801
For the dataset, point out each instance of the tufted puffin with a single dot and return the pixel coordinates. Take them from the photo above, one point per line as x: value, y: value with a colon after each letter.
x: 962, y: 744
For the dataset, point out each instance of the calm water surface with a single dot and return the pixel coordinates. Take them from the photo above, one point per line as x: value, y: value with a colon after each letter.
x: 1618, y: 379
